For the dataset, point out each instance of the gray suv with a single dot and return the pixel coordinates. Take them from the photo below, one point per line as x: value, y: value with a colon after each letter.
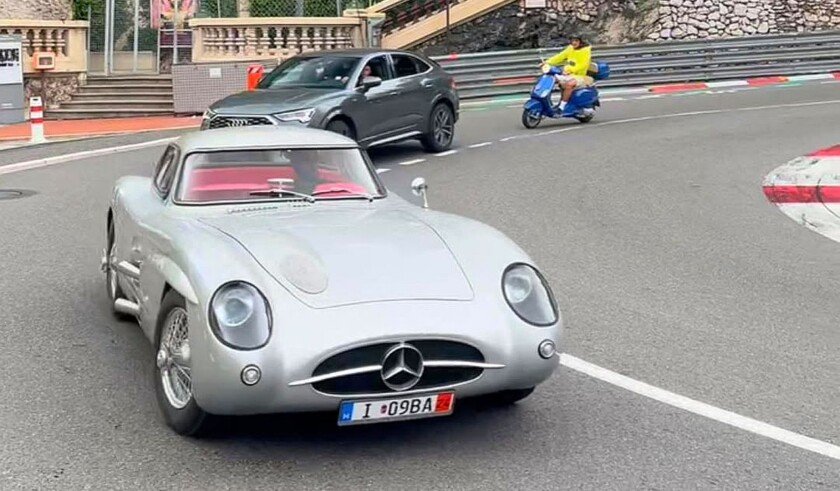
x: 374, y: 97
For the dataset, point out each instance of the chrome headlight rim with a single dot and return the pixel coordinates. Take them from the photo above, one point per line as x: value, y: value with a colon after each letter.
x: 303, y: 116
x: 548, y: 291
x: 214, y: 323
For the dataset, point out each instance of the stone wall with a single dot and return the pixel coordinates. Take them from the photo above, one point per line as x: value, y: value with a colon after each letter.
x: 36, y: 9
x: 622, y: 21
x: 59, y: 88
x: 692, y: 19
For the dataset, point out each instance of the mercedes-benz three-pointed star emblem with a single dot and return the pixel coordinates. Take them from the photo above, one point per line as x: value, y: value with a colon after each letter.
x: 402, y: 367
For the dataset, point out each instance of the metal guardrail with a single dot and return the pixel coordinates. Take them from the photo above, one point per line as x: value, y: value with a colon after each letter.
x: 514, y: 72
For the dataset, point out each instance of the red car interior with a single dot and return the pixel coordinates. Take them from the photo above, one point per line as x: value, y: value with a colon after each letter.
x: 237, y: 182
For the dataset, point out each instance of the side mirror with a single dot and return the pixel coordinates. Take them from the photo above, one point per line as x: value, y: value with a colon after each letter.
x: 369, y: 83
x: 419, y: 187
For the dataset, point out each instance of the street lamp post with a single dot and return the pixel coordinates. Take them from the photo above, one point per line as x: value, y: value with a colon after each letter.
x: 448, y: 36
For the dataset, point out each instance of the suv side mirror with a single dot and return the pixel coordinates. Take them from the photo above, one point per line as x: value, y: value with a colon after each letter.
x: 369, y: 83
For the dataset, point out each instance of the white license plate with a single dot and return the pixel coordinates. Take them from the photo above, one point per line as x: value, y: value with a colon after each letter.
x: 381, y: 410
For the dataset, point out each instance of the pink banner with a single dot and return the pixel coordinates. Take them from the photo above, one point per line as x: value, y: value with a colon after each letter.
x: 164, y: 11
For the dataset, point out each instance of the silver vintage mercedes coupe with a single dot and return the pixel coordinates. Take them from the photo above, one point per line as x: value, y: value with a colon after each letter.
x: 273, y: 272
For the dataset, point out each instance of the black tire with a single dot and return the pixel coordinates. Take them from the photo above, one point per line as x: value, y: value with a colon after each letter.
x: 112, y: 286
x: 189, y: 420
x: 530, y: 120
x: 586, y: 118
x: 342, y: 128
x: 508, y: 397
x: 440, y: 130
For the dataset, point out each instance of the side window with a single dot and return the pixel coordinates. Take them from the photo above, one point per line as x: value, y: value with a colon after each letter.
x: 378, y: 68
x: 422, y: 66
x: 404, y: 66
x: 165, y: 171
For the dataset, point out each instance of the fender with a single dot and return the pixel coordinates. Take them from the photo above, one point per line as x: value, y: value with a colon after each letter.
x: 174, y: 277
x: 441, y: 97
x: 534, y: 105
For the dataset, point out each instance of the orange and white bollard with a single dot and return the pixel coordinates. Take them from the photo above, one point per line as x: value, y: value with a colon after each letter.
x: 255, y: 74
x: 36, y: 120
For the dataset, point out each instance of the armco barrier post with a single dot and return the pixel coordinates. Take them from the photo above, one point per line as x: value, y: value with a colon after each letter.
x: 36, y: 120
x: 255, y: 74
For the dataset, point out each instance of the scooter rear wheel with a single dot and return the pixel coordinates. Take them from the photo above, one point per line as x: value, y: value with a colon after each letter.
x: 531, y: 119
x: 586, y: 118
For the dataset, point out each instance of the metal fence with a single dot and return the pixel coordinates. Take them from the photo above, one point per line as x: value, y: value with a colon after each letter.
x: 278, y: 8
x: 514, y: 72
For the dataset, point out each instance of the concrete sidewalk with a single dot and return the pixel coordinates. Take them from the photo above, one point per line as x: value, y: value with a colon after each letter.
x: 83, y: 128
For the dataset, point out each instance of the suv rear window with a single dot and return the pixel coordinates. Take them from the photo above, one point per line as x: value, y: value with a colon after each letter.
x: 406, y: 66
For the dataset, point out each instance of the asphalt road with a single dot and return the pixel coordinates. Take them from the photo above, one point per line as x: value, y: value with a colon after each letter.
x: 650, y: 224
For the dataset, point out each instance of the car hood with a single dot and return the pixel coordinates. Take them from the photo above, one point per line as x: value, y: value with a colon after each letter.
x: 270, y: 101
x: 330, y: 258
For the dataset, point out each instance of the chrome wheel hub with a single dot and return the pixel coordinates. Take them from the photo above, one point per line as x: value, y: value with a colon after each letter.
x: 173, y: 359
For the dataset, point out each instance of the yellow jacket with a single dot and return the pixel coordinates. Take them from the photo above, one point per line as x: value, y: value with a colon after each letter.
x: 577, y: 60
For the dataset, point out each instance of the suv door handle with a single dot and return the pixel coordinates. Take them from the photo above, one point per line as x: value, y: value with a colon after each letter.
x: 427, y: 83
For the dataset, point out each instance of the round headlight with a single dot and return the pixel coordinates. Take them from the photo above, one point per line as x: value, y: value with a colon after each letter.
x: 528, y: 295
x: 240, y: 316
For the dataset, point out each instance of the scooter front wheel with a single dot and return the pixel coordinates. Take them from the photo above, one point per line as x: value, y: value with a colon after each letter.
x: 531, y: 119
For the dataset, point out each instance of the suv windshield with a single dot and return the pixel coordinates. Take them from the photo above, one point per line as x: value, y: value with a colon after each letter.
x: 312, y: 71
x: 260, y: 175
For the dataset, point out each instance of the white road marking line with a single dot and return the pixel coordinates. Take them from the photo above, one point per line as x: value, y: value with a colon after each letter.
x: 382, y: 171
x: 613, y: 99
x: 412, y: 162
x: 446, y: 153
x: 727, y: 83
x: 702, y: 409
x: 509, y: 138
x: 48, y: 161
x: 479, y: 145
x: 651, y: 96
x: 830, y: 82
x: 802, y: 78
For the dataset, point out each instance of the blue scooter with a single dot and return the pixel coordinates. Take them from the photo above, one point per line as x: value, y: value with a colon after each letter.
x: 581, y: 106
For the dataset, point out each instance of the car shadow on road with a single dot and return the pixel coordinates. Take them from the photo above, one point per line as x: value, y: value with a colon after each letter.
x: 299, y: 429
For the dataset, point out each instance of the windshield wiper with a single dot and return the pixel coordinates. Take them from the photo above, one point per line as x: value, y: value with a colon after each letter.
x: 338, y: 189
x: 282, y: 192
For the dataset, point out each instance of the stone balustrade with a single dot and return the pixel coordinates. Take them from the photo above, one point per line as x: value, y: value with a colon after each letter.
x: 274, y: 38
x: 67, y: 40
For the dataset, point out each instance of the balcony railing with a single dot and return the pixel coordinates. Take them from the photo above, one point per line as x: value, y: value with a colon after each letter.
x: 277, y: 38
x: 64, y: 39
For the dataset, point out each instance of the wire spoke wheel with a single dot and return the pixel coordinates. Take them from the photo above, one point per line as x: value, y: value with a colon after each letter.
x: 111, y: 275
x: 173, y: 359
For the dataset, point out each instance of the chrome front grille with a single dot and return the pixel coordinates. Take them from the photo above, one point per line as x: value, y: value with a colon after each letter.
x: 235, y: 121
x: 359, y: 371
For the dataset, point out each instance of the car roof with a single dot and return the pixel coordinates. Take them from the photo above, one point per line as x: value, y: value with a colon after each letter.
x: 357, y: 52
x: 248, y: 137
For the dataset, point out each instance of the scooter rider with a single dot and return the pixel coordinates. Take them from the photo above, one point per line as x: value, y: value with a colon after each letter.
x: 576, y: 60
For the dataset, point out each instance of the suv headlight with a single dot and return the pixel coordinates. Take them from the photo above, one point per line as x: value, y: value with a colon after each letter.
x: 528, y: 295
x: 240, y: 316
x: 301, y: 116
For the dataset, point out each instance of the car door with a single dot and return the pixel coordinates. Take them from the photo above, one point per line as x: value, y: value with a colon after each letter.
x: 414, y: 88
x: 375, y: 114
x: 144, y: 210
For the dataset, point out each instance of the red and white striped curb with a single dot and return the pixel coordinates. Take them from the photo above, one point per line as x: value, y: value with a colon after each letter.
x: 749, y: 82
x: 807, y: 189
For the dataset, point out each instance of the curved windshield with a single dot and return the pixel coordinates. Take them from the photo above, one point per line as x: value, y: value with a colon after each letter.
x: 312, y: 71
x: 260, y: 175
